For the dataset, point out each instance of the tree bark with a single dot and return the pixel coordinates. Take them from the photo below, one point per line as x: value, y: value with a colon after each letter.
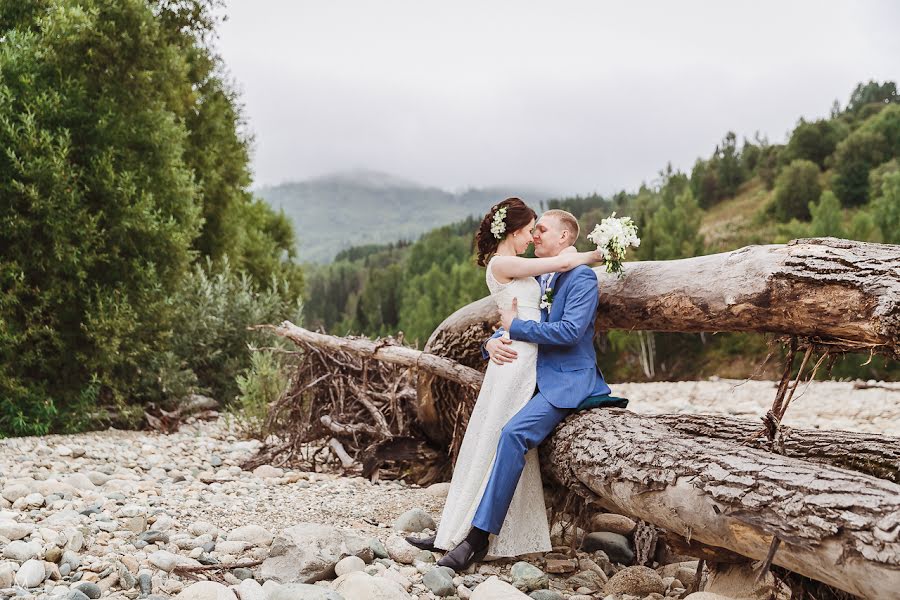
x: 836, y: 526
x: 873, y: 454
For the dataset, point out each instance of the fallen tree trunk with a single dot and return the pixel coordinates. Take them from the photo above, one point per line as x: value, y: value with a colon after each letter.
x: 870, y: 453
x: 842, y: 295
x: 834, y: 525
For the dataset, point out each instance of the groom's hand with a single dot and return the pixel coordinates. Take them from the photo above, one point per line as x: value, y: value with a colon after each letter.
x: 499, y: 350
x: 508, y: 314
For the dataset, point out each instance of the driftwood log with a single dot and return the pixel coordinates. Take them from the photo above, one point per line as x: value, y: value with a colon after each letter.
x: 870, y: 453
x: 834, y: 525
x: 840, y: 295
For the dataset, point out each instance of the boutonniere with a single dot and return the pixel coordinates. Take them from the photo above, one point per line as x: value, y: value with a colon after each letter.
x: 547, y: 299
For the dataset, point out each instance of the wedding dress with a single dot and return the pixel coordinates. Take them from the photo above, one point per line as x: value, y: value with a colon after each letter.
x: 505, y: 390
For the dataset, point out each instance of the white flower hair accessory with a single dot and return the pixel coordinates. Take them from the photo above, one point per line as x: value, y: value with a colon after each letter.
x: 498, y: 227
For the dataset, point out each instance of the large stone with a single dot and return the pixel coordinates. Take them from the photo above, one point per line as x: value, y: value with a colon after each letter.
x: 21, y: 551
x: 31, y: 573
x: 617, y: 547
x: 14, y: 491
x: 439, y: 581
x: 206, y: 590
x: 308, y: 552
x: 438, y: 490
x: 302, y: 591
x: 252, y: 534
x: 7, y: 574
x: 636, y: 581
x: 15, y: 531
x: 167, y: 561
x: 682, y: 571
x: 589, y: 579
x: 79, y: 481
x: 89, y: 589
x: 348, y: 564
x: 707, y: 596
x: 612, y: 523
x: 526, y: 577
x: 401, y: 550
x: 359, y: 586
x: 267, y: 471
x: 494, y: 589
x: 249, y: 589
x: 414, y: 520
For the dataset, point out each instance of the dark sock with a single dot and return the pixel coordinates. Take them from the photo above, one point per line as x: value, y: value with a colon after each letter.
x: 477, y: 538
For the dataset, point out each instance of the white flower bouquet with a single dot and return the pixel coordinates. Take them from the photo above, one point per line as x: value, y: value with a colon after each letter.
x: 613, y: 236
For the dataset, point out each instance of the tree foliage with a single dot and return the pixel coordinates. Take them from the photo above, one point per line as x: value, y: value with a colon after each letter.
x: 797, y: 186
x: 121, y: 163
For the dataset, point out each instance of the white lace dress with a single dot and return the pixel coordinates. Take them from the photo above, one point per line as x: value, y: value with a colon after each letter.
x: 506, y: 389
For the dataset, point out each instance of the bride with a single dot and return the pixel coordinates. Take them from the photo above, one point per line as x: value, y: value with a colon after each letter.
x: 504, y: 234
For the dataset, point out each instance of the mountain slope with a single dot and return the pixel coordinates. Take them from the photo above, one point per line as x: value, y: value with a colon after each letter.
x: 355, y: 208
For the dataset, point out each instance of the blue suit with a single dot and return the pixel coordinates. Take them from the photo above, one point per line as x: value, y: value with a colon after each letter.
x: 567, y: 373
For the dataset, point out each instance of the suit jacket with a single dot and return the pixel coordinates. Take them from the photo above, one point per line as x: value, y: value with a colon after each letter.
x: 567, y: 370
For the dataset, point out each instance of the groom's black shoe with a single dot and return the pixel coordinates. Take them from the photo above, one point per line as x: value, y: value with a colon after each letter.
x: 460, y: 558
x: 423, y: 543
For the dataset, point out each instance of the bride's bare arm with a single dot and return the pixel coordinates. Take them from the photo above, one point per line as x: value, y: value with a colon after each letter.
x: 514, y: 267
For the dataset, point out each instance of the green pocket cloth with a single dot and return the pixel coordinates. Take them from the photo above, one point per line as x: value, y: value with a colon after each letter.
x: 604, y: 401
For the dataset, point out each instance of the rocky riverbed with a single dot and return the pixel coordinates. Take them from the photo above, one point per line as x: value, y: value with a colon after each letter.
x: 140, y: 514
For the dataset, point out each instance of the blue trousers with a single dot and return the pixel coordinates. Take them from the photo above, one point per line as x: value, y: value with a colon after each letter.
x: 528, y: 428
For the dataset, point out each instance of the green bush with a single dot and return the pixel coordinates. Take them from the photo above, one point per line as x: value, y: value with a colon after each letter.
x: 260, y: 385
x: 815, y: 141
x: 797, y: 186
x: 886, y: 209
x: 827, y: 216
x: 208, y: 349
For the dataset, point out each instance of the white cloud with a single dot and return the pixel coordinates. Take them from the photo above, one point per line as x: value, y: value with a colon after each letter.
x: 574, y: 96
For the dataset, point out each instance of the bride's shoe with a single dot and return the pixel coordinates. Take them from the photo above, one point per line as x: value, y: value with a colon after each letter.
x: 460, y: 558
x: 423, y: 543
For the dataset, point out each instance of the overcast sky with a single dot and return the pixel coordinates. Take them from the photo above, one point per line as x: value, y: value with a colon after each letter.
x: 573, y: 97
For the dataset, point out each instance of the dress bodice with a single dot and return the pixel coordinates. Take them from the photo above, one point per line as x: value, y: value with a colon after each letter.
x: 527, y: 290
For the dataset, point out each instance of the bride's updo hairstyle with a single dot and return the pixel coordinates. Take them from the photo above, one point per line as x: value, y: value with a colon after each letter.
x: 518, y: 215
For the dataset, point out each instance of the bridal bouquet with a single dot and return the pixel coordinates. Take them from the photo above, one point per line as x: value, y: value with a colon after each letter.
x: 613, y: 236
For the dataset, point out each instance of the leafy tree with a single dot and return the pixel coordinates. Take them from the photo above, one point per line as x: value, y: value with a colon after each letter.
x: 872, y: 92
x: 729, y: 171
x: 886, y: 209
x: 675, y: 228
x: 876, y: 140
x: 120, y: 164
x: 705, y: 183
x: 815, y: 140
x: 797, y: 186
x: 827, y: 216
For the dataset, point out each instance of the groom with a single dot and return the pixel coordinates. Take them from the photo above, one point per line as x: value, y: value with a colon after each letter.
x: 567, y: 374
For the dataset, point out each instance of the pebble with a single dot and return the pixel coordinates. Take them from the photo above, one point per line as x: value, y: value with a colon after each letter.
x: 30, y: 574
x: 252, y: 534
x: 414, y: 520
x: 637, y: 580
x: 89, y: 589
x: 616, y: 546
x: 526, y: 577
x: 97, y: 521
x: 439, y: 581
x: 349, y: 564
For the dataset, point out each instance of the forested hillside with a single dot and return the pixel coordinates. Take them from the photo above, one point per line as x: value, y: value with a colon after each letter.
x: 354, y: 208
x: 835, y: 176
